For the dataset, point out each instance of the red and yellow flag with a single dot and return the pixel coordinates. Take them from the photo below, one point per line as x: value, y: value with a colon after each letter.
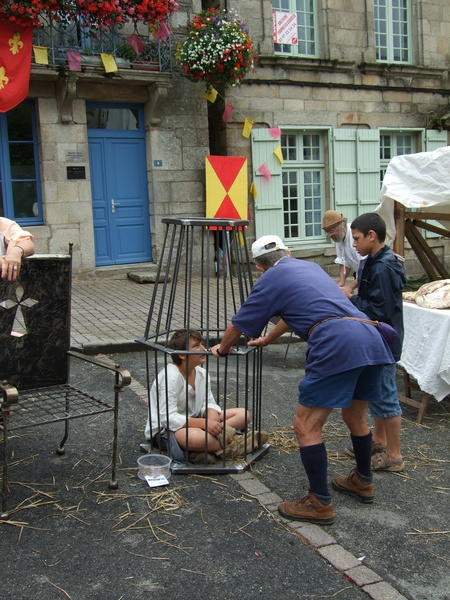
x: 15, y: 65
x: 226, y: 187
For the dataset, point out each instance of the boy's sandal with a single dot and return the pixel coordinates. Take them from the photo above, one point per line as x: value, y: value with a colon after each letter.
x: 201, y: 458
x: 382, y: 462
x: 376, y: 449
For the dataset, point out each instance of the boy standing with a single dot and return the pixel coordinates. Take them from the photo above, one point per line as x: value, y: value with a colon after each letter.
x: 183, y: 411
x: 381, y: 278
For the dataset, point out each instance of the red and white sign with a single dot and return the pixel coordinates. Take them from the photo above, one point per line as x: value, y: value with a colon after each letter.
x: 285, y: 28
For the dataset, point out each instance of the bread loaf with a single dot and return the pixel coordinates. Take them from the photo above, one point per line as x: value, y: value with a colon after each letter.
x: 409, y: 296
x: 435, y: 294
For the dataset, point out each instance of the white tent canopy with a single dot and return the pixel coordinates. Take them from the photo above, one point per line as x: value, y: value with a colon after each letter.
x: 420, y: 182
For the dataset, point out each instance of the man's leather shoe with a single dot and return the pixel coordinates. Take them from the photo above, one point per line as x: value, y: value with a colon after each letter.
x: 354, y: 486
x: 309, y: 508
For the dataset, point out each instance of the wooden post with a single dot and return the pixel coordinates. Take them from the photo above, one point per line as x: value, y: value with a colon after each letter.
x: 399, y: 216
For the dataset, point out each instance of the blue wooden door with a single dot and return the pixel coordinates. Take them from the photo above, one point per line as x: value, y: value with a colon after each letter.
x: 119, y: 196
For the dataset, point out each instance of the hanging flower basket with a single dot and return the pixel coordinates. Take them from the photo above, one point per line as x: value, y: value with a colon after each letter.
x: 218, y: 49
x: 98, y: 13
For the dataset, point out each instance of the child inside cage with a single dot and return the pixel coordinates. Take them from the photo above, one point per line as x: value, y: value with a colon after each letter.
x: 184, y: 416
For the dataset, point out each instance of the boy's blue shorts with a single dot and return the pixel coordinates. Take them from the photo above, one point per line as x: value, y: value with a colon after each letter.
x: 339, y: 390
x: 389, y: 405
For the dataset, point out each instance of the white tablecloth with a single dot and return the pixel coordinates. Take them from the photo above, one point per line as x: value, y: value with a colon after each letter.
x: 426, y: 348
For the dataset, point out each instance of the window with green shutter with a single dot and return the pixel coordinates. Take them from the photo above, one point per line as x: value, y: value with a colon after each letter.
x: 342, y: 171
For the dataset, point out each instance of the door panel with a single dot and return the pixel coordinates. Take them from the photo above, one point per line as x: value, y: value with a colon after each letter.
x: 119, y: 199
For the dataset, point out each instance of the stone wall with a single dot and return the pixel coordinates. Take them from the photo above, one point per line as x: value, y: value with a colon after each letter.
x: 344, y: 88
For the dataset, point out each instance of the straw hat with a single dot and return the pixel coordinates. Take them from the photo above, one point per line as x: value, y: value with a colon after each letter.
x: 332, y: 218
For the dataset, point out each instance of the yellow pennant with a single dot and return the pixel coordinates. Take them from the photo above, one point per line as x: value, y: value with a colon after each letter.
x: 210, y: 94
x: 109, y: 63
x: 248, y: 124
x: 279, y: 154
x: 40, y: 55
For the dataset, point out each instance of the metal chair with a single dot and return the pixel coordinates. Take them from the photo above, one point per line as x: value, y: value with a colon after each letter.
x: 35, y: 358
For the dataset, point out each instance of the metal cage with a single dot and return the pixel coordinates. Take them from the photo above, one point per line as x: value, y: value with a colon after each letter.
x: 203, y: 277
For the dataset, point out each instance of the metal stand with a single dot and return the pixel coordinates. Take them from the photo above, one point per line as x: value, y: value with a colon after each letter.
x: 204, y: 275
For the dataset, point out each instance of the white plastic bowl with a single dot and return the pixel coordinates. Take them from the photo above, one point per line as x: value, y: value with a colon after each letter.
x: 154, y: 465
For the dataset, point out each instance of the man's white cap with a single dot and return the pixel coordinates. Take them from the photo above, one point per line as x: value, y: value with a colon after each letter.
x: 266, y: 244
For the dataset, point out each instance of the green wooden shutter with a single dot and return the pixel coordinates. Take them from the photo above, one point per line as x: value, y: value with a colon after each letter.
x: 435, y: 139
x: 356, y: 171
x: 368, y: 152
x: 345, y: 172
x: 269, y: 199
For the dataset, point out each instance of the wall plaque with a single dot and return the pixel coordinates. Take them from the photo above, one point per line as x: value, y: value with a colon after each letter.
x: 78, y: 172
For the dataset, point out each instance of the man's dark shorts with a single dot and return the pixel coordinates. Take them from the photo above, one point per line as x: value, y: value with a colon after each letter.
x: 339, y: 390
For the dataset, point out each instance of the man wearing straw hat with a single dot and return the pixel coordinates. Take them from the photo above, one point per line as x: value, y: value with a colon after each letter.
x: 337, y: 228
x: 311, y: 305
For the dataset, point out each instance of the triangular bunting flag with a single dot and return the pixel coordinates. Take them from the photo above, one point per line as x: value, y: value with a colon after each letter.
x: 109, y: 63
x: 136, y: 42
x: 263, y: 169
x: 40, y: 55
x: 279, y: 154
x: 210, y: 94
x: 162, y: 31
x: 253, y: 191
x: 152, y: 28
x: 248, y: 124
x: 73, y: 60
x: 275, y: 132
x: 229, y: 110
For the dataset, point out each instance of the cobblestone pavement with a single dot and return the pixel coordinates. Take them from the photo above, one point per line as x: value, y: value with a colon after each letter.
x: 108, y: 311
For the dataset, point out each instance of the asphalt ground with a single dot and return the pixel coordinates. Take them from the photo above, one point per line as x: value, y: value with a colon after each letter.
x: 220, y: 536
x: 213, y: 536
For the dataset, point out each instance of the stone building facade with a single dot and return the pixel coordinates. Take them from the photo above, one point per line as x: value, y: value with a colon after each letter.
x: 366, y: 80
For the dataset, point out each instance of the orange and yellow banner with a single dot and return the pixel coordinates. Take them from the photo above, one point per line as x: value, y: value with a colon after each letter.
x: 15, y: 65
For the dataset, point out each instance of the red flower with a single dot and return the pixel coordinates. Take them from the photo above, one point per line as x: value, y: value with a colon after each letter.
x: 96, y: 12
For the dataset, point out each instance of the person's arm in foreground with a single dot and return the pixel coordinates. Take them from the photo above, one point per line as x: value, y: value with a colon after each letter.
x: 11, y: 262
x: 344, y: 272
x: 274, y: 334
x: 349, y: 288
x: 230, y: 337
